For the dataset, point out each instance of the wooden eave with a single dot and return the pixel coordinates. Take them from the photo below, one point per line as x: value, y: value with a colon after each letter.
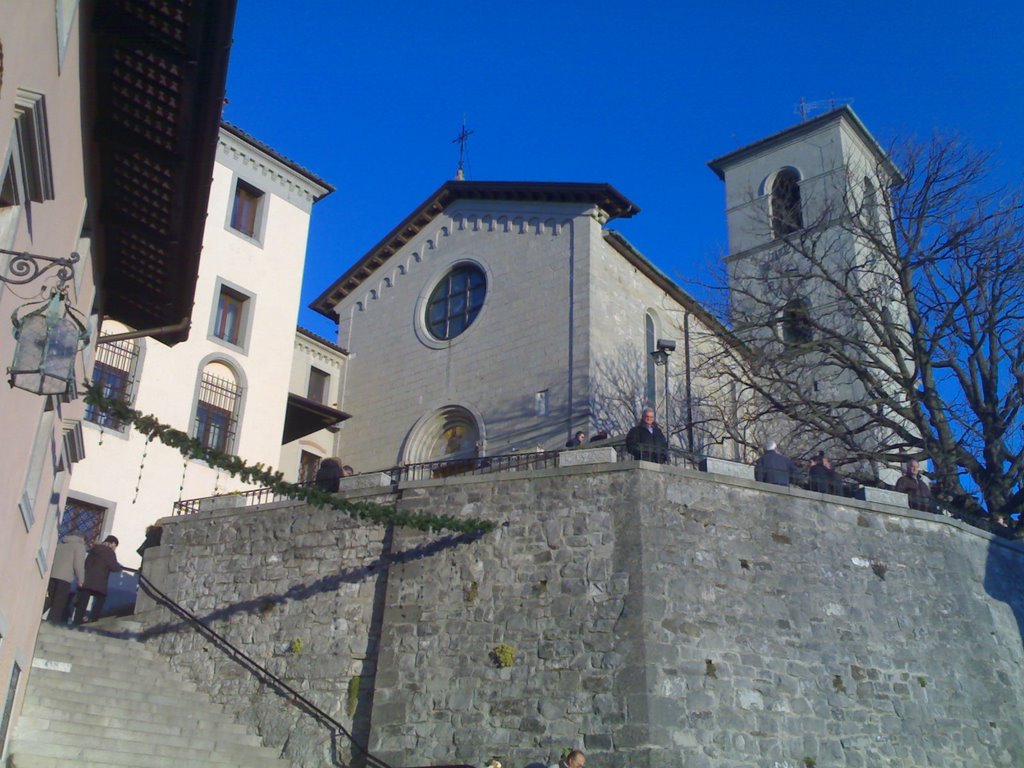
x: 154, y: 73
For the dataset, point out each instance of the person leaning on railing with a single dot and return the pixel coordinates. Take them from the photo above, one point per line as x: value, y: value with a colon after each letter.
x: 646, y: 441
x: 822, y: 478
x: 912, y: 484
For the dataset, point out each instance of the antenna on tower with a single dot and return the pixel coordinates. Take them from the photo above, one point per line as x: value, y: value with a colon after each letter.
x: 462, y: 139
x: 807, y: 108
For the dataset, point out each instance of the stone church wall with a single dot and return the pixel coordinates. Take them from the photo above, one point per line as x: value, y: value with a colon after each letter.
x: 517, y: 346
x: 659, y: 617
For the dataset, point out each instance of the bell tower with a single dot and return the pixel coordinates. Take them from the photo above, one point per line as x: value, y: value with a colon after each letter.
x: 787, y: 194
x: 806, y: 225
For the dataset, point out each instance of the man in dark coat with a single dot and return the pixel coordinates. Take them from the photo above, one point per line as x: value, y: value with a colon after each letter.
x: 577, y: 441
x: 100, y: 563
x: 912, y: 484
x: 822, y: 478
x: 328, y: 475
x: 646, y: 441
x: 773, y: 467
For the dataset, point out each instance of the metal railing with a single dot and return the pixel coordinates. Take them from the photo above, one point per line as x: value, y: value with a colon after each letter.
x: 230, y: 500
x: 264, y: 675
x: 477, y: 465
x: 674, y: 457
x: 842, y: 485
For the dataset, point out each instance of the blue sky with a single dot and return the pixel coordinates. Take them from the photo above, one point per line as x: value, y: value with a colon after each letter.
x: 640, y: 95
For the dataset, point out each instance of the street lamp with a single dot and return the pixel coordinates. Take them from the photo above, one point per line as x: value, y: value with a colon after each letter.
x: 48, y: 336
x: 665, y: 348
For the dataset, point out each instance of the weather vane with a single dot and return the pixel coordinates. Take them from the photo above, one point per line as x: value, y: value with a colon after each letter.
x: 806, y: 108
x: 462, y: 139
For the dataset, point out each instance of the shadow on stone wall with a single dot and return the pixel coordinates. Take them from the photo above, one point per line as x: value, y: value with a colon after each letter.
x: 269, y: 601
x: 342, y: 753
x: 1004, y: 580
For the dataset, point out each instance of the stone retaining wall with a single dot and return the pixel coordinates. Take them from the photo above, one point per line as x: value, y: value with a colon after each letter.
x: 659, y: 617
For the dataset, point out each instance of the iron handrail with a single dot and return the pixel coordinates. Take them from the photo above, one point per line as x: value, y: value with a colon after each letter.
x: 264, y: 675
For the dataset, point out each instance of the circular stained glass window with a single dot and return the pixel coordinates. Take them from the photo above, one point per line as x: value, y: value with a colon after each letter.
x: 455, y: 301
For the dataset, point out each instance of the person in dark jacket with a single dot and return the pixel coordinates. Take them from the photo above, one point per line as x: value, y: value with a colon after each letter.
x: 646, y: 441
x: 822, y: 478
x: 912, y: 484
x: 328, y: 475
x: 773, y: 467
x: 100, y: 563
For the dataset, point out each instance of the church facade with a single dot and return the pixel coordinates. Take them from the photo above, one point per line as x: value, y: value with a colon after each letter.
x: 503, y: 317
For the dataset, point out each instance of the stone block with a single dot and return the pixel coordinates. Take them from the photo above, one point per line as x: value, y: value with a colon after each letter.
x: 882, y: 496
x: 581, y: 456
x: 218, y: 503
x: 365, y: 482
x: 715, y: 466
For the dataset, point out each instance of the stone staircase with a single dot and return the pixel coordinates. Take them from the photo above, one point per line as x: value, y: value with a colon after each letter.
x: 95, y: 701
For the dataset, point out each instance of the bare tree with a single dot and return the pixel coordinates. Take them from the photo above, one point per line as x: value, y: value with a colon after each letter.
x: 891, y: 325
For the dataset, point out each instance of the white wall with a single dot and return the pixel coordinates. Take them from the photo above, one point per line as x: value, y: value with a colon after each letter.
x: 139, y: 480
x: 309, y: 353
x: 34, y: 450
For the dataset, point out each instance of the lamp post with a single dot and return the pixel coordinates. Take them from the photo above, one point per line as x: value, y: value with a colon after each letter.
x: 47, y: 336
x: 665, y: 347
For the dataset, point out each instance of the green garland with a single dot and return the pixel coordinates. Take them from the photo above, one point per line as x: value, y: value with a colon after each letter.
x: 258, y: 474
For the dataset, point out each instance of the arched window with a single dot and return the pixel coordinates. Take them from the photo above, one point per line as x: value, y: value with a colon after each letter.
x: 796, y: 322
x: 217, y: 407
x: 651, y: 385
x: 787, y: 217
x: 455, y: 301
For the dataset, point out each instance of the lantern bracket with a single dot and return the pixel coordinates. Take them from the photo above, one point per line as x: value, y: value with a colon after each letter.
x: 25, y: 267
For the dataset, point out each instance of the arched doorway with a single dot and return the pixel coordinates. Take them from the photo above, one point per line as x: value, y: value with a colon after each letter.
x: 450, y: 434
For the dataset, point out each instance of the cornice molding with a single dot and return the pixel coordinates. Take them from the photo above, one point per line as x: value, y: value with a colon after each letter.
x: 415, y: 253
x: 266, y: 167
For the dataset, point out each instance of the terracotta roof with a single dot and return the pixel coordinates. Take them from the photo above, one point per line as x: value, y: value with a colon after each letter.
x: 320, y: 339
x: 610, y: 200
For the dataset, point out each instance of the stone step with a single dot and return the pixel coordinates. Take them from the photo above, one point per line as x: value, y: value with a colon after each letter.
x: 116, y: 671
x: 67, y: 686
x: 40, y: 714
x: 78, y: 755
x: 96, y: 643
x: 97, y: 700
x: 133, y: 741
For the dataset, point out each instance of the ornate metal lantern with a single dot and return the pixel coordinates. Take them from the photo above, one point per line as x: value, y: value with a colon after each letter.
x: 48, y: 341
x: 48, y: 336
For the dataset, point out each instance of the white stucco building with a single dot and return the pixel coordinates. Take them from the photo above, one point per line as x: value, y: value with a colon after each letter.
x: 318, y: 370
x: 228, y: 384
